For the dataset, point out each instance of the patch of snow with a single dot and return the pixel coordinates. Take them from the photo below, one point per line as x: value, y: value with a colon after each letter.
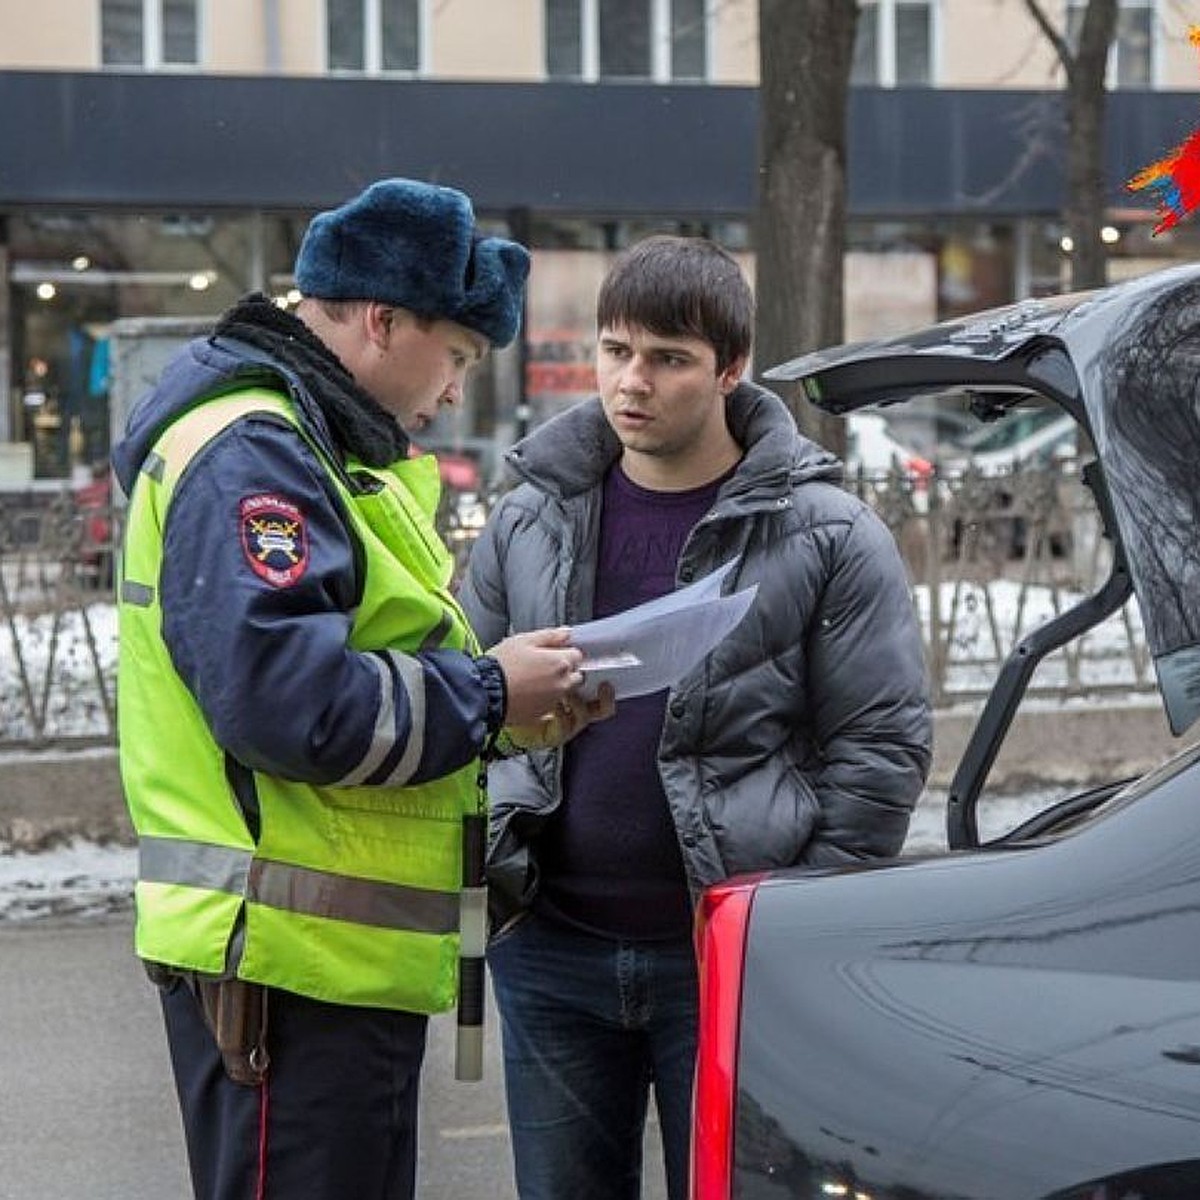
x: 78, y: 879
x: 996, y: 814
x: 84, y: 879
x: 51, y: 664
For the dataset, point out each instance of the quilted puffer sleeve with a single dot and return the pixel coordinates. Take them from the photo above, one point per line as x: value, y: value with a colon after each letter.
x: 870, y: 701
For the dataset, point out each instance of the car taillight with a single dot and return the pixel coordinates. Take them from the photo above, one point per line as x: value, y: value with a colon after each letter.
x: 721, y: 922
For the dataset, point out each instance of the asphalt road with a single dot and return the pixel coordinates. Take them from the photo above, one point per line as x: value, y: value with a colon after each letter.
x: 87, y: 1107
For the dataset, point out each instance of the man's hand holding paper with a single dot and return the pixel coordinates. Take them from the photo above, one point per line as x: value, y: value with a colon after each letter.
x: 569, y: 718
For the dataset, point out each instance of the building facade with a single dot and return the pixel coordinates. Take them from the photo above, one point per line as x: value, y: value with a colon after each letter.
x: 166, y: 155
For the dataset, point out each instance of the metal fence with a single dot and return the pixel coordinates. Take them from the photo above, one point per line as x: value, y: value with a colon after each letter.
x: 989, y: 559
x: 58, y: 640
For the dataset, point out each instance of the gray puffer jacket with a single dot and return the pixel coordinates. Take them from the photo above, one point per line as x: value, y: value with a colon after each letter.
x: 804, y: 737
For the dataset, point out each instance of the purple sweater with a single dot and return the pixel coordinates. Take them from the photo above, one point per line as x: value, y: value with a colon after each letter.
x: 609, y: 855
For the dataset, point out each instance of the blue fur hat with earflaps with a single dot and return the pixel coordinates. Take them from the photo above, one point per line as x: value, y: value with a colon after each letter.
x: 415, y: 245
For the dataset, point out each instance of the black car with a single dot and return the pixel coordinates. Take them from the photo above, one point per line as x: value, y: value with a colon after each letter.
x: 1018, y: 1019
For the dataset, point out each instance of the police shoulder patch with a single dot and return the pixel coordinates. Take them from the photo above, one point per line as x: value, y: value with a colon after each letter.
x: 274, y: 536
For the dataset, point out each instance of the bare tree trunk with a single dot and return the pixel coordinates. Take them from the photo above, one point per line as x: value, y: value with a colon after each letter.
x: 1086, y: 102
x: 805, y: 53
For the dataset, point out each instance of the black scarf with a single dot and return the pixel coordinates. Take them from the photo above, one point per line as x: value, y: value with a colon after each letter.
x: 356, y: 422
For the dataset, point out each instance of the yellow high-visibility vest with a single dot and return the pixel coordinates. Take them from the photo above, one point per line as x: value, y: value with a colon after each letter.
x: 350, y: 893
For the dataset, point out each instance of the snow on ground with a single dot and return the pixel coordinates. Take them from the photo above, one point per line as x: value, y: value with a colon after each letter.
x: 78, y: 879
x: 81, y: 879
x: 996, y: 814
x: 53, y: 664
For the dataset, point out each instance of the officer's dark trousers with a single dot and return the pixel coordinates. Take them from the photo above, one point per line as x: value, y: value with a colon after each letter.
x: 336, y: 1118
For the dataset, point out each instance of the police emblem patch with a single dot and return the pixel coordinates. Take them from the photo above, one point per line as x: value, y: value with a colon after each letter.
x: 274, y: 538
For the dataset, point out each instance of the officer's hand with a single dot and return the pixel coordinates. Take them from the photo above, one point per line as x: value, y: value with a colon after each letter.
x: 570, y: 717
x: 540, y: 669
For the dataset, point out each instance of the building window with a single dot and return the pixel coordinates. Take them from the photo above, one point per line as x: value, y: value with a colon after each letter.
x: 894, y: 43
x: 149, y: 33
x: 372, y: 36
x: 689, y: 40
x: 1131, y: 59
x: 660, y: 40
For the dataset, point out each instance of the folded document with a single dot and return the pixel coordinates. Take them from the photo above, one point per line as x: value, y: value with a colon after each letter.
x: 652, y: 646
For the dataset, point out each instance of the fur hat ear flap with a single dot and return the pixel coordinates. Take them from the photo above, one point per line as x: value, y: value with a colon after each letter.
x: 493, y: 300
x: 415, y: 245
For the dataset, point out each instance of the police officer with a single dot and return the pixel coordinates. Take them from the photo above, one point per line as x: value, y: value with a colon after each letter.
x: 302, y: 703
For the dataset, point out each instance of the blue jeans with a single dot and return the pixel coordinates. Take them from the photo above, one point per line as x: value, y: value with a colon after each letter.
x: 588, y: 1025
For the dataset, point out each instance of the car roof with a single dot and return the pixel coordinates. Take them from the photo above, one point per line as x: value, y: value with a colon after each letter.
x: 1124, y: 362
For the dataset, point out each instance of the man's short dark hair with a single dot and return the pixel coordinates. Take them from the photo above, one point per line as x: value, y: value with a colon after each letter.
x: 680, y: 287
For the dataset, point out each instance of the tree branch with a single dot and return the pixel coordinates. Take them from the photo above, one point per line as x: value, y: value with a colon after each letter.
x: 1037, y: 128
x: 1061, y: 46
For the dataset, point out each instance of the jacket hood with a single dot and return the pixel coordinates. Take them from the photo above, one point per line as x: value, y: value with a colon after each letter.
x: 571, y: 452
x: 200, y: 369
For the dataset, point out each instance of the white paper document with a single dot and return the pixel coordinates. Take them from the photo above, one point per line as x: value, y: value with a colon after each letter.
x: 650, y: 647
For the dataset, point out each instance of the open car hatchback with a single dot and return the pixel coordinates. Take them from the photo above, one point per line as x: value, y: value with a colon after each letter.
x: 1018, y: 1019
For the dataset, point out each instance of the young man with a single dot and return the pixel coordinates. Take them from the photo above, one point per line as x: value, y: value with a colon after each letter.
x: 803, y: 738
x: 302, y: 702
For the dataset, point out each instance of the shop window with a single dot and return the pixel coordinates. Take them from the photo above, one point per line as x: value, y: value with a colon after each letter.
x: 372, y: 36
x: 150, y: 34
x: 1131, y: 58
x: 660, y: 40
x: 72, y: 275
x: 894, y: 43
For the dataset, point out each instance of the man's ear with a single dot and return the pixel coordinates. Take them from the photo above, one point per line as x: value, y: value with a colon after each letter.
x: 377, y: 322
x: 731, y: 376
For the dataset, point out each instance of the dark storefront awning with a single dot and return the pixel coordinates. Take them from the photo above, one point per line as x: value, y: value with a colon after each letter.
x: 157, y: 141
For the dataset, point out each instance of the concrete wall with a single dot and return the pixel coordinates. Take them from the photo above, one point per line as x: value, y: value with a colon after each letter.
x: 46, y: 797
x: 1062, y: 745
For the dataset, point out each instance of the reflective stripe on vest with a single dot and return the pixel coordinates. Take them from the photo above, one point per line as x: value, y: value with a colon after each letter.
x: 296, y: 889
